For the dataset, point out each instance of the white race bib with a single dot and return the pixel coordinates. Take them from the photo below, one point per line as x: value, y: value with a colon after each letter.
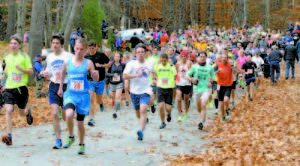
x: 164, y: 81
x: 116, y: 78
x: 250, y: 71
x: 262, y: 50
x: 77, y: 85
x: 17, y: 77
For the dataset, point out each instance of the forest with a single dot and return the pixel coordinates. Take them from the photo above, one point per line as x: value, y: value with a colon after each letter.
x: 44, y: 18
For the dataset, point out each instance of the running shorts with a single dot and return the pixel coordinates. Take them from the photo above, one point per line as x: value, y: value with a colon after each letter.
x: 165, y: 95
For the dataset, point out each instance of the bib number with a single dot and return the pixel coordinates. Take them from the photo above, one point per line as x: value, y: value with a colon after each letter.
x: 250, y: 71
x: 164, y: 81
x: 17, y: 77
x: 262, y: 50
x: 77, y: 85
x: 116, y: 78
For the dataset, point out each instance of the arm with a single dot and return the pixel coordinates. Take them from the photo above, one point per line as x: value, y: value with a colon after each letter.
x: 28, y: 68
x: 91, y: 69
x: 127, y: 73
x: 109, y: 74
x: 63, y: 75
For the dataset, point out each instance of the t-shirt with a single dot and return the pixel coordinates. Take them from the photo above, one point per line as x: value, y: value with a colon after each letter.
x: 249, y: 68
x: 100, y: 58
x: 202, y: 73
x: 55, y: 65
x: 241, y: 60
x: 165, y: 76
x: 15, y: 77
x: 258, y: 61
x: 173, y: 59
x: 139, y: 85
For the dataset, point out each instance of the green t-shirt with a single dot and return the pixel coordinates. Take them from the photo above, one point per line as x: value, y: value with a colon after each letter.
x: 153, y: 60
x: 15, y: 77
x: 165, y: 76
x: 203, y: 73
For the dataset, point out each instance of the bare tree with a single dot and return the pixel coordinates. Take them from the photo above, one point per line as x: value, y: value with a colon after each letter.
x: 12, y: 18
x: 267, y: 9
x: 70, y: 22
x: 36, y: 28
x: 48, y: 23
x: 212, y: 13
x: 80, y: 12
x: 58, y: 9
x: 21, y: 17
x: 245, y: 10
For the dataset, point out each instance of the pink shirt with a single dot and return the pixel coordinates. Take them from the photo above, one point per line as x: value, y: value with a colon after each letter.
x: 241, y: 61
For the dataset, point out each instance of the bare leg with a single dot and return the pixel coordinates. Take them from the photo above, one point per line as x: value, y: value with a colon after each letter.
x: 162, y: 111
x: 56, y: 121
x: 81, y: 131
x: 70, y: 122
x: 9, y: 110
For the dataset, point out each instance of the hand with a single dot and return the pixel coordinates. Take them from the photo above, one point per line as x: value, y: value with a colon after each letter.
x: 60, y: 92
x: 19, y: 67
x: 195, y: 81
x: 139, y: 74
x: 95, y: 75
x: 209, y: 85
x: 98, y: 65
x: 44, y: 74
x: 154, y: 82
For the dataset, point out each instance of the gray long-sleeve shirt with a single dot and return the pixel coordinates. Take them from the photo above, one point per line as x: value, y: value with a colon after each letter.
x: 115, y: 73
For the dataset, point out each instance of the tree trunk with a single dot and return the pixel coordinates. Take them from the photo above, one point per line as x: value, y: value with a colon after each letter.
x: 58, y: 8
x: 164, y: 11
x: 192, y: 12
x: 24, y: 12
x: 212, y: 14
x: 267, y: 8
x: 20, y: 15
x: 181, y: 14
x: 80, y: 12
x: 205, y: 11
x: 223, y: 12
x: 123, y: 20
x: 67, y: 10
x: 70, y: 22
x: 245, y: 11
x: 12, y: 18
x: 36, y: 28
x: 48, y: 27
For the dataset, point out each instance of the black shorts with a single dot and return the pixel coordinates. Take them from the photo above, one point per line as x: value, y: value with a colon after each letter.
x: 250, y: 80
x: 165, y: 95
x: 185, y: 89
x: 233, y: 86
x: 106, y: 80
x: 214, y: 87
x: 154, y: 89
x: 224, y: 91
x: 18, y: 96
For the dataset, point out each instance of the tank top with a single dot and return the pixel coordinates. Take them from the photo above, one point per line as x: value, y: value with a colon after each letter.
x: 182, y: 78
x: 77, y: 77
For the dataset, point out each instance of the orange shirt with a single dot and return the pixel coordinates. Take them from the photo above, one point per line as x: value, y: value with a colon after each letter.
x: 225, y: 74
x: 164, y: 39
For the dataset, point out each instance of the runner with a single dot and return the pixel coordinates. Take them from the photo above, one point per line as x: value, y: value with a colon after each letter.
x: 249, y: 74
x: 115, y: 74
x: 259, y: 62
x: 224, y: 75
x: 202, y: 75
x: 183, y: 86
x: 17, y: 69
x: 77, y: 97
x: 154, y: 60
x: 214, y: 85
x: 55, y: 62
x: 101, y: 62
x: 138, y: 72
x: 166, y: 73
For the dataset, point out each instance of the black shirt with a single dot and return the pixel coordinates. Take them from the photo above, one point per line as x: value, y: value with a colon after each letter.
x: 100, y: 58
x: 249, y: 68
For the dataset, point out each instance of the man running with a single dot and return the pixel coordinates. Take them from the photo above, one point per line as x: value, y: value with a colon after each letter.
x: 55, y: 62
x: 224, y: 74
x: 249, y: 75
x: 183, y: 85
x: 77, y: 97
x: 166, y: 73
x: 100, y: 62
x: 138, y: 72
x: 202, y: 75
x: 17, y: 69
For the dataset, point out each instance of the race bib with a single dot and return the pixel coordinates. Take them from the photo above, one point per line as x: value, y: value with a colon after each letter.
x: 164, y: 81
x: 116, y: 78
x: 77, y: 85
x: 262, y: 50
x: 250, y: 71
x: 17, y: 77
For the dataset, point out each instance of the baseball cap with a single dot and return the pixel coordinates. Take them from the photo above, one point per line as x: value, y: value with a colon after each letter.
x: 38, y: 55
x: 184, y: 53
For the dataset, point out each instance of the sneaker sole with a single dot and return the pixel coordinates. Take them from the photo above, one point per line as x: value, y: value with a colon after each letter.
x: 140, y: 136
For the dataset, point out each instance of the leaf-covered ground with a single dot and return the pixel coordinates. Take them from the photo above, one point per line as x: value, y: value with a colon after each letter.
x: 263, y: 132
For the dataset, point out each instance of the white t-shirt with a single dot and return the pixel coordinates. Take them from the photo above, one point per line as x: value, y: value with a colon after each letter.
x: 55, y: 65
x: 258, y: 60
x: 139, y: 85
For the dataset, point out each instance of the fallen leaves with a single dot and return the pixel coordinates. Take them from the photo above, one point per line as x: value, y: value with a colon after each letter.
x: 263, y: 132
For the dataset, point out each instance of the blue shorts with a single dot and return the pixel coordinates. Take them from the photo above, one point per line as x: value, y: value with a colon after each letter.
x: 139, y: 99
x: 53, y: 96
x: 248, y: 81
x: 81, y: 101
x: 97, y: 87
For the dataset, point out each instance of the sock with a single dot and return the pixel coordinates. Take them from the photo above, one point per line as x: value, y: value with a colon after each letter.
x: 9, y: 135
x: 107, y: 91
x: 216, y: 103
x: 72, y: 137
x: 101, y: 105
x: 81, y: 144
x: 117, y: 107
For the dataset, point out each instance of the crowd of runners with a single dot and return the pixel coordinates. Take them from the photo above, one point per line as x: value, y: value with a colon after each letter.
x: 203, y: 66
